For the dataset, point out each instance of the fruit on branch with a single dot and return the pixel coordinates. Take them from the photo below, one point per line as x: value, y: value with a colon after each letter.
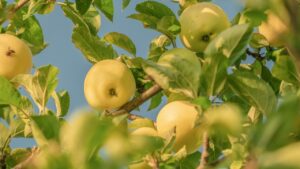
x: 145, y: 131
x: 15, y: 56
x: 181, y: 117
x: 274, y: 29
x: 109, y: 84
x: 200, y: 23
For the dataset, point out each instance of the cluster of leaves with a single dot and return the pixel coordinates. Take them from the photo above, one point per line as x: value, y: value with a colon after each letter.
x: 265, y: 88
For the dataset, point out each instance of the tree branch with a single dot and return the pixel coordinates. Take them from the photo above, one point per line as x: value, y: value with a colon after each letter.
x: 24, y: 163
x: 204, y: 154
x: 255, y: 55
x: 19, y: 5
x: 251, y: 162
x: 128, y: 107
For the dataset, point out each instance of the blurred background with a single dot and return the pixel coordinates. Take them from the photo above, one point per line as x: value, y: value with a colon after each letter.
x: 72, y: 64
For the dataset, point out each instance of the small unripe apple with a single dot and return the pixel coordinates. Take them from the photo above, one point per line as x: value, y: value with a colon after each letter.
x: 274, y: 29
x: 15, y: 56
x: 181, y: 116
x: 200, y: 23
x: 109, y: 84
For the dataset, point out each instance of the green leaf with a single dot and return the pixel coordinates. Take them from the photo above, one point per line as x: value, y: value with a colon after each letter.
x: 286, y: 157
x: 191, y: 161
x: 17, y: 156
x: 31, y: 31
x: 39, y: 6
x: 258, y: 41
x: 4, y: 134
x: 155, y: 9
x: 147, y: 20
x: 141, y: 122
x: 284, y: 68
x: 8, y: 93
x: 125, y: 3
x: 169, y: 25
x: 178, y: 71
x: 254, y: 90
x: 91, y: 46
x: 121, y: 40
x: 202, y: 101
x: 221, y: 53
x: 155, y: 101
x: 85, y: 134
x: 158, y: 47
x: 107, y: 7
x: 230, y: 43
x: 83, y: 5
x: 276, y: 132
x: 45, y: 128
x: 41, y: 85
x: 62, y: 102
x: 90, y: 20
x: 157, y: 16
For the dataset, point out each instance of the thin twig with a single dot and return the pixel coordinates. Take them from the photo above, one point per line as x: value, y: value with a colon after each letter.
x: 154, y: 163
x: 251, y: 162
x: 25, y: 163
x: 19, y: 5
x: 255, y: 55
x: 128, y: 107
x: 204, y: 154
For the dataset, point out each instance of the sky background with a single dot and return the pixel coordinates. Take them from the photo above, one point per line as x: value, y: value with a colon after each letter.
x: 73, y: 65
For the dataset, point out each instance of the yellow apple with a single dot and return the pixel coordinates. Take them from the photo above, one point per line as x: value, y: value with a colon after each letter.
x: 15, y: 56
x: 274, y: 29
x: 109, y: 84
x: 181, y: 116
x: 200, y: 23
x: 145, y: 131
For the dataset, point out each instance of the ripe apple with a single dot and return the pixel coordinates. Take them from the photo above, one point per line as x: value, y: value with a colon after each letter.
x: 109, y: 84
x: 181, y: 116
x: 200, y: 23
x: 274, y: 29
x: 15, y: 56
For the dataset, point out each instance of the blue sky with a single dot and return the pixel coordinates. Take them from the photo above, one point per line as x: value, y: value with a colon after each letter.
x: 72, y: 64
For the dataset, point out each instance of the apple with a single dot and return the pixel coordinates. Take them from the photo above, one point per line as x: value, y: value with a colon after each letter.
x: 109, y: 84
x: 145, y: 131
x: 274, y: 29
x: 15, y: 56
x: 200, y: 23
x: 181, y: 116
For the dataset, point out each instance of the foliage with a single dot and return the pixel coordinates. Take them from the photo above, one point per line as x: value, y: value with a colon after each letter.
x: 247, y: 92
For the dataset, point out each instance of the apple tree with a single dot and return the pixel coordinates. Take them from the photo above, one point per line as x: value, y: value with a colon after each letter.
x: 232, y: 88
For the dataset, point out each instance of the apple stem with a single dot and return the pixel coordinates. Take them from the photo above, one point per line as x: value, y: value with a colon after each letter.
x: 10, y: 52
x: 133, y: 104
x: 204, y: 154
